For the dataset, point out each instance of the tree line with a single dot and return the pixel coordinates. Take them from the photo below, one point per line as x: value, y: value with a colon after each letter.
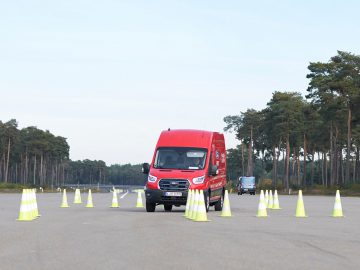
x: 293, y: 133
x: 294, y: 140
x: 31, y: 156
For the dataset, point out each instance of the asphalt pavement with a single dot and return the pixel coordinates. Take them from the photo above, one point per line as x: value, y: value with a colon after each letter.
x: 129, y: 238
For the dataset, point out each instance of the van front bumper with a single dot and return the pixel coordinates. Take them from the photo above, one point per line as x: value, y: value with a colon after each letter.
x: 162, y: 197
x: 247, y: 190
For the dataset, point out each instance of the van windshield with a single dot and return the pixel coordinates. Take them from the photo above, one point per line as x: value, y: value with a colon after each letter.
x: 247, y: 180
x: 182, y: 158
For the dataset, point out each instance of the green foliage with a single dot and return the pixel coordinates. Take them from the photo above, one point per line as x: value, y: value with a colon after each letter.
x: 265, y: 184
x: 327, y: 124
x: 11, y: 187
x: 230, y: 185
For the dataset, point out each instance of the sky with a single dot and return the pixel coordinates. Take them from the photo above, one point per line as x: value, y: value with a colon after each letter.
x: 111, y: 75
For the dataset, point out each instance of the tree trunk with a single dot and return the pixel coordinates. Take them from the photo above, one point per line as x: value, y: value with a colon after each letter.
x: 41, y: 170
x: 326, y: 172
x: 347, y: 172
x: 305, y: 156
x: 354, y: 169
x: 287, y: 161
x: 336, y: 158
x: 332, y: 167
x: 357, y: 163
x: 7, y: 162
x: 34, y: 169
x: 323, y: 169
x: 250, y: 158
x: 242, y: 159
x: 312, y: 168
x: 274, y: 166
x: 298, y: 170
x: 26, y: 167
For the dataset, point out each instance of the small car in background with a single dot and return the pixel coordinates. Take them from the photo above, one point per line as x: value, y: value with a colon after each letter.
x: 246, y: 184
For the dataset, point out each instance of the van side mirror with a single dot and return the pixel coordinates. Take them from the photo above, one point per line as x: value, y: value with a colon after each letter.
x: 145, y: 168
x: 214, y: 170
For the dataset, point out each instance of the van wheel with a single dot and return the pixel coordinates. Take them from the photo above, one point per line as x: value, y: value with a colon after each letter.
x: 219, y: 204
x: 168, y: 207
x: 207, y: 200
x: 150, y: 207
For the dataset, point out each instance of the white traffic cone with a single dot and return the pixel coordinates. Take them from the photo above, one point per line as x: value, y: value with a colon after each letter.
x: 115, y: 202
x: 139, y: 203
x: 196, y: 204
x: 226, y: 211
x: 262, y: 206
x: 337, y: 212
x: 276, y: 205
x: 188, y: 200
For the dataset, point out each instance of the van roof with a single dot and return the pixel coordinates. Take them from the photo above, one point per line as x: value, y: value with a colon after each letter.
x: 185, y: 138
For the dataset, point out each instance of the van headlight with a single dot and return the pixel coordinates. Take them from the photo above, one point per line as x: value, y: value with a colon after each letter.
x: 151, y: 178
x: 199, y: 180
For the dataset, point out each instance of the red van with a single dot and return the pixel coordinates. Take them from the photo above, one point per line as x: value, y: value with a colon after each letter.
x: 183, y: 160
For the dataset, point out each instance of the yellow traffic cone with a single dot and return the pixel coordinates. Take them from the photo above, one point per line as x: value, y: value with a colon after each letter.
x: 187, y: 207
x: 226, y: 211
x: 89, y: 200
x: 31, y: 203
x: 64, y: 203
x: 139, y: 203
x: 115, y: 202
x: 201, y: 212
x: 337, y: 212
x: 77, y: 198
x: 25, y: 211
x: 300, y: 209
x: 195, y: 205
x: 266, y: 198
x: 35, y: 204
x: 192, y: 202
x: 262, y: 206
x: 276, y: 205
x: 271, y: 200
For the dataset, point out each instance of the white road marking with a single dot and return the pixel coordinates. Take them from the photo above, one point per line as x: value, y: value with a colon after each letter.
x: 127, y: 192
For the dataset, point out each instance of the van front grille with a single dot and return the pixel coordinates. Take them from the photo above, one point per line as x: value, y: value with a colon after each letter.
x: 174, y: 184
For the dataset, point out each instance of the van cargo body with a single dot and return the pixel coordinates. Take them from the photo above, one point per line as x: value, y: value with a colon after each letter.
x: 183, y: 160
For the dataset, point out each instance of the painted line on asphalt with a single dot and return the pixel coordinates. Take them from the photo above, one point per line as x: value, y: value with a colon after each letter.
x: 123, y: 196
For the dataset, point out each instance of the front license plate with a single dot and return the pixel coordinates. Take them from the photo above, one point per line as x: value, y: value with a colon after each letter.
x: 245, y: 189
x: 173, y: 194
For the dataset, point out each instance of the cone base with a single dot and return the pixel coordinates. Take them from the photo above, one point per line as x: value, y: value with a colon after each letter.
x: 89, y: 206
x: 202, y: 220
x: 64, y: 206
x: 336, y: 216
x: 139, y: 206
x: 262, y: 216
x: 225, y: 215
x: 278, y: 208
x: 301, y: 216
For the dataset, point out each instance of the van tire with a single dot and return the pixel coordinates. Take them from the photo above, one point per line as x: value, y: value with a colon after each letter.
x: 168, y: 207
x: 219, y: 204
x: 150, y: 207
